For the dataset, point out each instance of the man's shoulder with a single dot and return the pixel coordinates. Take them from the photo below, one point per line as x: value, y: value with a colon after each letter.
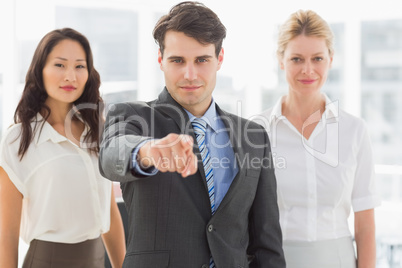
x: 129, y: 106
x: 144, y: 111
x: 163, y: 104
x: 243, y: 122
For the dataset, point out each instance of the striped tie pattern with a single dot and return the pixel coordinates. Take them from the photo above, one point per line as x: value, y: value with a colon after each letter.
x: 200, y: 128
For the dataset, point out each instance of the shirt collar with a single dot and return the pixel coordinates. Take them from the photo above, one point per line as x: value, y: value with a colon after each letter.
x: 331, y: 109
x: 44, y: 131
x: 210, y: 116
x: 277, y: 109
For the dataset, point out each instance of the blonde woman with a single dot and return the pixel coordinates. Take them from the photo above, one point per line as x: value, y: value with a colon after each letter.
x: 324, y: 163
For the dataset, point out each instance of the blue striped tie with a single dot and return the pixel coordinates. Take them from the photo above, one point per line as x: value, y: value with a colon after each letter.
x: 200, y: 128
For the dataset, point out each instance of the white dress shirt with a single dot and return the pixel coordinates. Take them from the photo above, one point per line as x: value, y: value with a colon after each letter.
x: 322, y: 178
x: 65, y: 199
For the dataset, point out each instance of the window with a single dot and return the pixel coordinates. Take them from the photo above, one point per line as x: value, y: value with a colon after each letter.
x: 366, y: 75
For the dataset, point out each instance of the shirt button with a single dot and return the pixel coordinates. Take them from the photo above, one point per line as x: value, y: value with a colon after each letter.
x: 210, y: 228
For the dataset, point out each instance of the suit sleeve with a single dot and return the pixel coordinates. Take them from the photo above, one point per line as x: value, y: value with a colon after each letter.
x: 265, y: 246
x: 124, y: 130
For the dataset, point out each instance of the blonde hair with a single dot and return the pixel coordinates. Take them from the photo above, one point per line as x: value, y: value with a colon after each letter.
x: 304, y: 22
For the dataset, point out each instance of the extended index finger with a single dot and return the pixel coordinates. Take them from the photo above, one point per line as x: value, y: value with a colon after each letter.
x: 187, y: 142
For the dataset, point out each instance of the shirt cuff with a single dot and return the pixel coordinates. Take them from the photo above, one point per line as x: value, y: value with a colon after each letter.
x: 136, y: 167
x: 365, y: 203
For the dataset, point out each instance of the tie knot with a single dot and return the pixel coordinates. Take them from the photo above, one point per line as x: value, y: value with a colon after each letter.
x: 199, y: 126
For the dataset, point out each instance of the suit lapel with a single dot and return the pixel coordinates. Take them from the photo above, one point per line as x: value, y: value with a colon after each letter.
x: 235, y: 131
x: 167, y: 105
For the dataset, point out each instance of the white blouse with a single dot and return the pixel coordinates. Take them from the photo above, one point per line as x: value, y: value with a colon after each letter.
x: 65, y: 199
x: 321, y: 178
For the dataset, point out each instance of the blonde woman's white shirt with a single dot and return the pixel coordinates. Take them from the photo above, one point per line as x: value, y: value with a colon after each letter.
x: 65, y: 199
x: 320, y: 179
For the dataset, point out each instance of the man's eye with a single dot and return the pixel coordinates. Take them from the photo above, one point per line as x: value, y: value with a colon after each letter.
x: 177, y: 61
x: 202, y: 60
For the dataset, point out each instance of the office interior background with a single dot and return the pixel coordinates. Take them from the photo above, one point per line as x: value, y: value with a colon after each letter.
x: 366, y: 76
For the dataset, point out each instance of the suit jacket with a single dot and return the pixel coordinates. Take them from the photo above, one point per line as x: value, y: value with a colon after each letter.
x: 170, y: 221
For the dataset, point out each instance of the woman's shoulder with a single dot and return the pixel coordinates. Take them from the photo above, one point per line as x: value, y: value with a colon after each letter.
x: 267, y: 112
x: 264, y: 118
x: 10, y: 142
x: 351, y: 121
x: 352, y: 128
x: 273, y: 112
x: 12, y: 133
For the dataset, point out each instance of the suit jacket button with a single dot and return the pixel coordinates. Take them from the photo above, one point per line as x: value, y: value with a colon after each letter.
x: 210, y: 228
x: 204, y: 266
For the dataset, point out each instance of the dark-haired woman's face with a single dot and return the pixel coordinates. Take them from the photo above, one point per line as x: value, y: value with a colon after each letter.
x: 65, y: 73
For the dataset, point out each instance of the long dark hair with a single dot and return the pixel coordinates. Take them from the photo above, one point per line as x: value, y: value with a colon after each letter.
x: 34, y: 95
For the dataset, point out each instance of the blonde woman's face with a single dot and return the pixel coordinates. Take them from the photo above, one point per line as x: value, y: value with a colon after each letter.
x: 306, y: 62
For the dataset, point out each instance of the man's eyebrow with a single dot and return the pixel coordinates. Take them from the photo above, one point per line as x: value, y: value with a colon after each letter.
x: 174, y: 57
x: 205, y: 56
x: 198, y: 57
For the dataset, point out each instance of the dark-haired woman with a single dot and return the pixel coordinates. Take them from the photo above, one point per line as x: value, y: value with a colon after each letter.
x: 51, y: 192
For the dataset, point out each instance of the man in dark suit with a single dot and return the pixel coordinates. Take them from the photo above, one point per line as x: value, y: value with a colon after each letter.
x: 198, y: 183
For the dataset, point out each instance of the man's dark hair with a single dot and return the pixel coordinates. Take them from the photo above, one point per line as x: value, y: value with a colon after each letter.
x: 193, y: 19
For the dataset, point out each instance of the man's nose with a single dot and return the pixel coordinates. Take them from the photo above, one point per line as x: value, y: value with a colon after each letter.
x: 190, y: 72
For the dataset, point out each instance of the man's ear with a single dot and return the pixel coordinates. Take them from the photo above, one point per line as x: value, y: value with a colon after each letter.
x: 220, y: 58
x: 160, y: 59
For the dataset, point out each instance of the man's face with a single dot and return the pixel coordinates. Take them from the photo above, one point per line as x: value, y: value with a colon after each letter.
x: 190, y: 71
